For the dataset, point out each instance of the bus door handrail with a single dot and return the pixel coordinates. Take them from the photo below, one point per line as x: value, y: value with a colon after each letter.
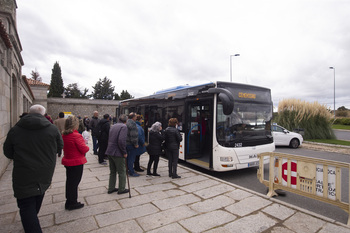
x: 188, y: 137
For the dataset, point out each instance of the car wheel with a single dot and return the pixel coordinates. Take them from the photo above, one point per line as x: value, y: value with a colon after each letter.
x: 294, y: 143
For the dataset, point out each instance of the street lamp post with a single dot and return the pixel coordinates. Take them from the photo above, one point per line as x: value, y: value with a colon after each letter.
x: 333, y: 68
x: 236, y: 55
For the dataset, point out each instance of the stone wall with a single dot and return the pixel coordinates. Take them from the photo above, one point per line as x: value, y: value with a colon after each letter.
x: 81, y: 107
x: 40, y: 94
x: 15, y: 94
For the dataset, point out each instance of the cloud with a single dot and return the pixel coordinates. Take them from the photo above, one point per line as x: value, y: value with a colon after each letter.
x: 145, y: 46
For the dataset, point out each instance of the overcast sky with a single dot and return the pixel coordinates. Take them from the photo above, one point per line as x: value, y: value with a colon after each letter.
x: 148, y: 45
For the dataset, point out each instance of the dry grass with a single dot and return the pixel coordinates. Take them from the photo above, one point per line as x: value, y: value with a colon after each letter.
x: 304, y: 109
x: 314, y: 118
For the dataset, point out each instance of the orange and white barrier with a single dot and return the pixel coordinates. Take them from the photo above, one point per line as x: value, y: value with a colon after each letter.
x: 306, y: 176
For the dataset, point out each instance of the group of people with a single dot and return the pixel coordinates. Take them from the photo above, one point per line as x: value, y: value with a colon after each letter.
x: 34, y: 142
x: 126, y: 143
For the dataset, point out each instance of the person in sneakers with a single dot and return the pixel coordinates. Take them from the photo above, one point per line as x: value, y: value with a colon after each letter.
x: 132, y: 143
x: 74, y: 149
x: 32, y: 144
x: 102, y: 137
x: 172, y: 142
x: 116, y: 152
x: 141, y: 141
x: 154, y: 148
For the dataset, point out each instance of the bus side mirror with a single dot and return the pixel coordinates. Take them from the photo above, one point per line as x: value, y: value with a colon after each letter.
x: 226, y: 98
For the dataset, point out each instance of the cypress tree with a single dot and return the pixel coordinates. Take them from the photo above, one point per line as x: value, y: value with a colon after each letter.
x: 56, y: 85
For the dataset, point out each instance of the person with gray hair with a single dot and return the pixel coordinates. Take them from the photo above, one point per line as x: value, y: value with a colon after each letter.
x: 32, y: 144
x: 116, y: 152
x: 37, y: 109
x: 154, y: 148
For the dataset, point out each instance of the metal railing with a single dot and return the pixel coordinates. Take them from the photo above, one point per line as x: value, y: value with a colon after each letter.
x: 304, y: 176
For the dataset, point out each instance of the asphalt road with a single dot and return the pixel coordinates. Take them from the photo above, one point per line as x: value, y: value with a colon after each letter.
x: 248, y: 178
x: 342, y: 134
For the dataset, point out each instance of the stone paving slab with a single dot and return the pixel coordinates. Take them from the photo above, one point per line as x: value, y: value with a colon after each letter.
x: 248, y: 205
x: 250, y: 224
x: 214, y: 203
x: 302, y: 223
x: 195, y: 203
x: 207, y: 221
x: 125, y: 214
x: 214, y: 191
x: 127, y: 227
x: 171, y: 228
x: 165, y: 217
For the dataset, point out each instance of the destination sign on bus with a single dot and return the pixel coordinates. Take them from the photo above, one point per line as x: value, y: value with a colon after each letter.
x: 246, y: 95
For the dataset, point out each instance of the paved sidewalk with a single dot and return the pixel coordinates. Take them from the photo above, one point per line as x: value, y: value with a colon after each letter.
x: 195, y: 203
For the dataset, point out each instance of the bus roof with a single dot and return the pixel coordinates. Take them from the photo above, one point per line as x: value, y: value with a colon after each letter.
x: 183, y: 91
x: 178, y: 88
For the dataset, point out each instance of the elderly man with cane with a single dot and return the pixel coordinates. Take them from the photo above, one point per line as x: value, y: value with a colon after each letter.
x: 116, y: 151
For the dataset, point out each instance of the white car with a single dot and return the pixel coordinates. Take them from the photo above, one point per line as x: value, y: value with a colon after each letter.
x: 283, y: 137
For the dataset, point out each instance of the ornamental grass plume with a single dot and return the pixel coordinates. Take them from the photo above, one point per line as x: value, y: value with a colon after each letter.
x: 314, y: 118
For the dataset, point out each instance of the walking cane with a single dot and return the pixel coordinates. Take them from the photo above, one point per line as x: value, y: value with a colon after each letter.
x: 127, y: 176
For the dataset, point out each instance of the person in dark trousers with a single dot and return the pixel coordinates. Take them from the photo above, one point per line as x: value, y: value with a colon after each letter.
x: 117, y: 155
x: 154, y: 148
x: 32, y: 144
x: 102, y: 137
x: 172, y: 143
x: 73, y: 160
x: 141, y: 141
x: 92, y: 125
x: 132, y: 143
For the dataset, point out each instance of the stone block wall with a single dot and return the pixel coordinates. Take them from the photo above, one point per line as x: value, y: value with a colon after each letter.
x: 40, y: 93
x: 81, y: 107
x: 13, y: 89
x: 5, y: 122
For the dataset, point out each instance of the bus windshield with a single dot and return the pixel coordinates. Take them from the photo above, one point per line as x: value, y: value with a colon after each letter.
x: 248, y: 125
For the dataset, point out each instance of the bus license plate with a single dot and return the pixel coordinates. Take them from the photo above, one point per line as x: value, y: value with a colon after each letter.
x: 253, y: 164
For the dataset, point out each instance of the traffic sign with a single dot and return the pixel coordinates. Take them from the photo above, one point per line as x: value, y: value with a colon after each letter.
x: 293, y: 173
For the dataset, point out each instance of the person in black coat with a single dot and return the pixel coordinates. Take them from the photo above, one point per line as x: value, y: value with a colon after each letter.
x: 154, y: 148
x: 102, y: 137
x: 172, y: 143
x: 32, y: 144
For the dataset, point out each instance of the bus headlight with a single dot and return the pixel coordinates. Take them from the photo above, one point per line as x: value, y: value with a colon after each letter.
x: 226, y: 159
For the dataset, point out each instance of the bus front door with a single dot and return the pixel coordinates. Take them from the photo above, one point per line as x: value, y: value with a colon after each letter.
x: 199, y: 134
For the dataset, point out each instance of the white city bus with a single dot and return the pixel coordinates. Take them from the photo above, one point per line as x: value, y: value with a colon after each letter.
x: 223, y: 125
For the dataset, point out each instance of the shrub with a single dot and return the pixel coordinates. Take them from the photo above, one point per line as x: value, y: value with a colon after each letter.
x: 342, y: 121
x: 314, y: 118
x: 345, y: 121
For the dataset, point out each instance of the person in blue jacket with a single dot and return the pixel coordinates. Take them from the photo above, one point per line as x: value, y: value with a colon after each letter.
x: 141, y: 141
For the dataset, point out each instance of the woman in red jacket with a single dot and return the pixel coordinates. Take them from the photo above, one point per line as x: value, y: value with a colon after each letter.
x: 74, y: 149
